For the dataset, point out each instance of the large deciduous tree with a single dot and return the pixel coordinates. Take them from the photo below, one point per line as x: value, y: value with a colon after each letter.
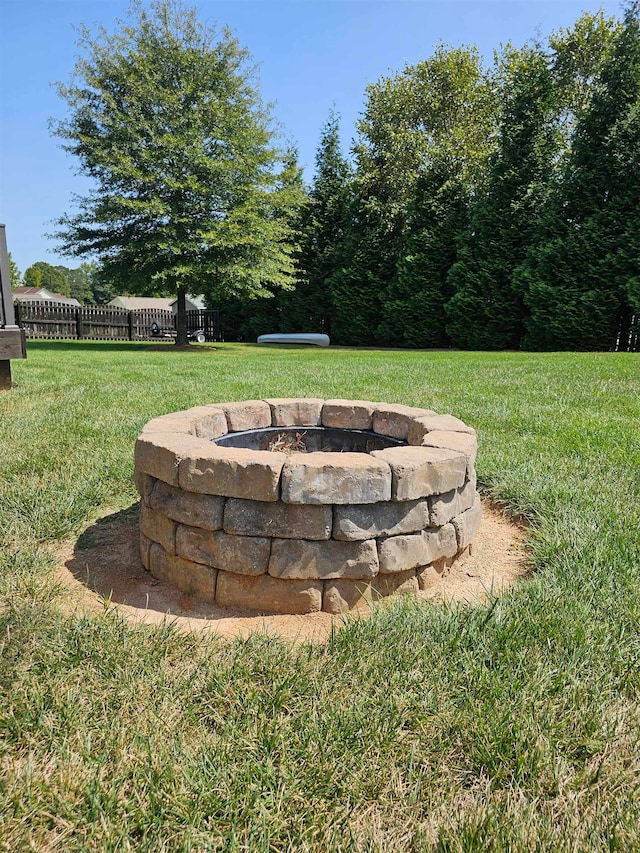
x: 165, y: 116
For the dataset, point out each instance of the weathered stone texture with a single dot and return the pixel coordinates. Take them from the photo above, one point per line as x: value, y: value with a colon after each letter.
x: 177, y: 423
x: 144, y: 484
x: 443, y: 507
x: 145, y: 545
x: 287, y: 521
x: 436, y: 423
x: 348, y: 414
x: 269, y: 595
x: 399, y: 583
x: 335, y: 478
x: 210, y: 422
x: 421, y: 471
x: 303, y: 559
x: 466, y: 524
x: 394, y: 420
x: 191, y: 578
x: 365, y: 521
x: 401, y: 553
x: 459, y: 441
x: 158, y: 528
x: 160, y: 454
x: 246, y: 555
x: 251, y: 414
x: 295, y: 412
x: 187, y: 507
x: 274, y: 532
x: 431, y: 576
x: 342, y: 595
x: 233, y: 472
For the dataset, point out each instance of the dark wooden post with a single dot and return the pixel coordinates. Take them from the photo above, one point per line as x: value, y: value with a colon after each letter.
x: 12, y: 338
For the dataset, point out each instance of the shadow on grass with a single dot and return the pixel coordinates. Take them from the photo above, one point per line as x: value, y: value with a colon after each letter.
x: 226, y: 348
x: 94, y: 346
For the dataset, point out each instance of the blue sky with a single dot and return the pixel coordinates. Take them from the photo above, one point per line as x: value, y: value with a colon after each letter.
x: 312, y: 54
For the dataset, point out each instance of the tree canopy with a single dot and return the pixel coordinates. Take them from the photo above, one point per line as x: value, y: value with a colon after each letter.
x: 14, y: 273
x: 166, y: 117
x: 53, y: 278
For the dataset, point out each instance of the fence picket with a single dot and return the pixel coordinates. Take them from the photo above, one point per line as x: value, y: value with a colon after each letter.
x: 51, y: 320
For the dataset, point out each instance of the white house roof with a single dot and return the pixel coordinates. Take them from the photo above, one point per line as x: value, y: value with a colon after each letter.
x: 196, y: 301
x: 27, y: 294
x: 142, y: 303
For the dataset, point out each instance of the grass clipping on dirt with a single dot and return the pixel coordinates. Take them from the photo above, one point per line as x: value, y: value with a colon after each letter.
x: 508, y: 725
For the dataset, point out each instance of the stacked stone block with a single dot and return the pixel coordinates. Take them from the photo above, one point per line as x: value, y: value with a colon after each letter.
x: 303, y: 532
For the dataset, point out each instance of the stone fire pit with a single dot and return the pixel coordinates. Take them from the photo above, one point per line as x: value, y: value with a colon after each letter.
x: 301, y: 505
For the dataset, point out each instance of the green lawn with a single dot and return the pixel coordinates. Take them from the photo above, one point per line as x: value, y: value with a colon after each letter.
x: 514, y: 726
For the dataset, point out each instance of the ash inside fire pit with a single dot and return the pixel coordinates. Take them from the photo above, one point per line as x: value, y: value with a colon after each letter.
x: 300, y: 505
x: 311, y: 439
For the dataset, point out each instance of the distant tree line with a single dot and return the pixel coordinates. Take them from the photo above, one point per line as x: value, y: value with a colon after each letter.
x: 482, y: 207
x: 86, y: 283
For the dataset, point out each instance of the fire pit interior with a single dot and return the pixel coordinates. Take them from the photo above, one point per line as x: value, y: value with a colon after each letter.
x: 301, y: 505
x: 308, y: 439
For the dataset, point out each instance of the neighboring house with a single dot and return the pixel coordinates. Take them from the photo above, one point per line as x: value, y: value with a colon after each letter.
x: 157, y: 303
x: 29, y: 294
x: 142, y: 303
x: 194, y: 303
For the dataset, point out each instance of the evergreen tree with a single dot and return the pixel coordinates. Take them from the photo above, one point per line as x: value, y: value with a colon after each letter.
x: 583, y: 277
x: 458, y: 124
x: 244, y: 316
x: 324, y: 227
x: 487, y: 309
x: 424, y: 131
x: 543, y: 95
x: 165, y: 117
x: 414, y: 309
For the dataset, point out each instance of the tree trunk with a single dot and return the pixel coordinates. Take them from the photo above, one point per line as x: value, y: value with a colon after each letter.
x: 181, y: 325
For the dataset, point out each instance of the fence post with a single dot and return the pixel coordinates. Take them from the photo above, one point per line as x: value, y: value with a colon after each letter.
x: 130, y: 323
x: 79, y: 323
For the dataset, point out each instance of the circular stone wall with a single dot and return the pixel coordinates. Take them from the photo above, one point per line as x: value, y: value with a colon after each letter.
x: 298, y: 532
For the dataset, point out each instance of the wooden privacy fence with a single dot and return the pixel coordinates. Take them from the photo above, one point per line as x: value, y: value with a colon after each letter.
x: 47, y: 319
x: 629, y: 338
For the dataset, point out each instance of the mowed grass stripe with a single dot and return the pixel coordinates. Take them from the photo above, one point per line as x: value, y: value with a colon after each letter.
x: 508, y: 727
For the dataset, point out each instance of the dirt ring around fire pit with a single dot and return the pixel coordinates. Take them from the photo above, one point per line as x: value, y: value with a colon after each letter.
x: 301, y: 505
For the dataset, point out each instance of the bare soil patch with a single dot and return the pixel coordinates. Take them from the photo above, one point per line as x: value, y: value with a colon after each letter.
x: 103, y: 566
